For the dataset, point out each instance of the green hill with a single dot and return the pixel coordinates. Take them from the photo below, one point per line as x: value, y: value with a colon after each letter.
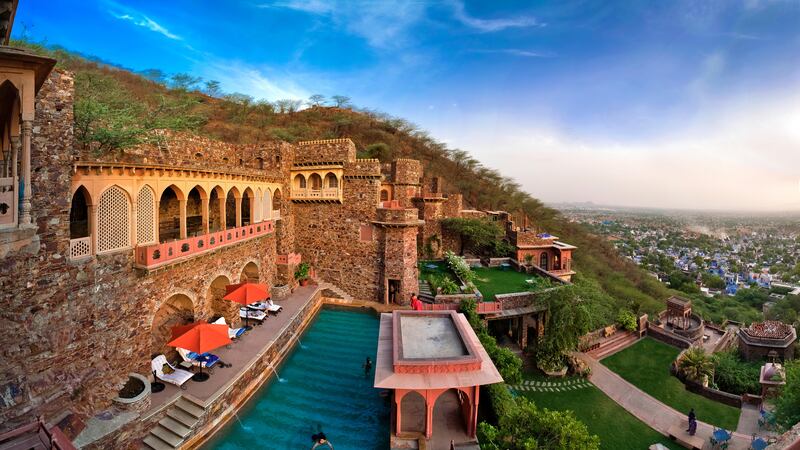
x: 116, y: 108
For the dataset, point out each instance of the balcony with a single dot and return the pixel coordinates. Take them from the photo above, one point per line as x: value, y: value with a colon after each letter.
x: 327, y: 195
x: 156, y: 255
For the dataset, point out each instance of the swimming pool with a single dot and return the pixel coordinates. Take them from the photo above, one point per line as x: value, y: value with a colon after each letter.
x: 322, y: 387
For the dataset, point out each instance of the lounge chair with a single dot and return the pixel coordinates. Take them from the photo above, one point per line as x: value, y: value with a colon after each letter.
x: 267, y: 306
x: 233, y: 333
x: 247, y: 313
x: 205, y: 360
x: 173, y: 375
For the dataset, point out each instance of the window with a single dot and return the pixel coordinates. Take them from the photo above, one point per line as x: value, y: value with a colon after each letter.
x: 331, y: 181
x: 384, y: 195
x: 543, y: 261
x: 146, y: 216
x: 260, y: 163
x: 300, y: 182
x: 113, y: 223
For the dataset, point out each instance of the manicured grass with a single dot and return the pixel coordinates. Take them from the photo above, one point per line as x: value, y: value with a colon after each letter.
x: 617, y: 428
x: 646, y: 365
x: 493, y: 280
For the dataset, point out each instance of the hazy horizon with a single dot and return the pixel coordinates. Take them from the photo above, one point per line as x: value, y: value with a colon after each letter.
x: 682, y: 105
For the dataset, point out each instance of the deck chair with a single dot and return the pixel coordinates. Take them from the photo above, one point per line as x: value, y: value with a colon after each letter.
x: 165, y: 371
x: 266, y: 306
x: 233, y: 333
x: 206, y: 360
x: 247, y: 313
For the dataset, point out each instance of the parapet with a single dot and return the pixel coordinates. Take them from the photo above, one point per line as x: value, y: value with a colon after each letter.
x: 325, y: 151
x: 407, y: 171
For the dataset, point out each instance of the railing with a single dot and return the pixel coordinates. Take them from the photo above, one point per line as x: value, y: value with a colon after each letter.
x: 80, y: 248
x: 330, y: 193
x: 316, y: 193
x: 482, y: 308
x: 152, y: 256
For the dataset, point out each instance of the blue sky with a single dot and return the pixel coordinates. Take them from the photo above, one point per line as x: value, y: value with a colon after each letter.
x: 690, y: 104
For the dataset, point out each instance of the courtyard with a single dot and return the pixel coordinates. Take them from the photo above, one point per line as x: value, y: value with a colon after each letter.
x: 646, y: 366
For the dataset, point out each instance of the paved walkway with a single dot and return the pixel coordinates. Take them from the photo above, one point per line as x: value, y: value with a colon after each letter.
x: 655, y: 414
x: 564, y: 385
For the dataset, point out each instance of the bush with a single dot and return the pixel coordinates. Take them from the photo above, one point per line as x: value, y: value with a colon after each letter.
x: 733, y: 375
x: 695, y: 364
x: 627, y: 320
x: 508, y: 364
x: 459, y: 265
x: 443, y: 284
x: 787, y: 405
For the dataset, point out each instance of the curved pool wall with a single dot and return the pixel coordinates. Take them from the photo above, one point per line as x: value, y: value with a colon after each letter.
x: 322, y: 387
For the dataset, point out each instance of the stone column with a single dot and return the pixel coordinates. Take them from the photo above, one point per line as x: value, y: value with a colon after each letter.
x: 158, y: 220
x: 204, y: 212
x: 16, y: 146
x: 222, y: 214
x: 428, y: 416
x: 25, y: 207
x: 134, y: 225
x: 398, y: 413
x: 182, y: 209
x: 238, y: 211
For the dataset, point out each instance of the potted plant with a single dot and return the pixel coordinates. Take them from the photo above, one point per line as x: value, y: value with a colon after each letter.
x: 301, y: 273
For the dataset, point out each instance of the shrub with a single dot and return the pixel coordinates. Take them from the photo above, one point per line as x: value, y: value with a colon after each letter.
x: 733, y: 375
x: 508, y: 364
x: 301, y: 272
x: 459, y: 265
x: 627, y: 320
x: 787, y: 405
x: 695, y: 364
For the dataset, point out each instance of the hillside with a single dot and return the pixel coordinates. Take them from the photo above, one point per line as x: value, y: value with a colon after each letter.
x: 116, y: 108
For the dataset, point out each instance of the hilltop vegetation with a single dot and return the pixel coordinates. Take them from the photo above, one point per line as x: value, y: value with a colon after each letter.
x: 116, y: 108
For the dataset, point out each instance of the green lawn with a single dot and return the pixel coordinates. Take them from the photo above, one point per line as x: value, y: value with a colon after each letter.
x: 493, y: 280
x: 617, y: 429
x: 646, y: 365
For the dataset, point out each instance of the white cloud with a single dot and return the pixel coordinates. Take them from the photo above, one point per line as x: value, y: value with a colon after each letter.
x: 146, y: 22
x: 489, y: 25
x: 261, y: 83
x: 741, y: 156
x: 516, y: 52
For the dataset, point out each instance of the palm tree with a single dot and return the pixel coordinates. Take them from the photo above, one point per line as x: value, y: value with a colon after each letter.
x: 696, y: 365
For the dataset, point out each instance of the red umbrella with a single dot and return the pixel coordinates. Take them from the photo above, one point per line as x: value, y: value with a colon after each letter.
x: 246, y: 294
x: 201, y: 338
x: 180, y: 330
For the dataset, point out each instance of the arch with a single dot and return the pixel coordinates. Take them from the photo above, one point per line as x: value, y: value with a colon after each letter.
x: 543, y: 261
x: 250, y: 273
x: 277, y: 200
x: 413, y: 412
x: 299, y: 181
x: 216, y: 209
x: 177, y: 309
x: 195, y: 206
x: 248, y: 207
x: 9, y: 113
x: 216, y: 305
x: 315, y: 181
x: 146, y: 215
x: 230, y: 208
x: 384, y: 195
x: 451, y: 409
x: 79, y: 226
x: 331, y: 182
x: 169, y: 214
x: 267, y: 214
x: 113, y: 220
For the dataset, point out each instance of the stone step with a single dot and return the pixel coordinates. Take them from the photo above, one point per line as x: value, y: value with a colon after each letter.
x: 615, y: 347
x: 182, y: 417
x: 192, y: 400
x: 175, y: 426
x: 167, y: 436
x: 156, y: 444
x: 190, y: 407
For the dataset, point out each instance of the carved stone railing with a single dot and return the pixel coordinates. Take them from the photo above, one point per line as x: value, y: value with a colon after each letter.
x: 155, y: 255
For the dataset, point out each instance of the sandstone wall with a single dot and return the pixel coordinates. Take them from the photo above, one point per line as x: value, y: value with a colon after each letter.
x: 399, y: 249
x: 328, y: 150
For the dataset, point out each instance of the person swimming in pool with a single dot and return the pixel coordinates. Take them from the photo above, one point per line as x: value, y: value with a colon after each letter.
x: 320, y: 439
x: 367, y: 367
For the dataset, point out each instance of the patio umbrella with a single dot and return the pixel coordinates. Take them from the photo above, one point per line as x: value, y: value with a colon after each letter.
x: 246, y: 294
x: 180, y: 330
x: 201, y: 338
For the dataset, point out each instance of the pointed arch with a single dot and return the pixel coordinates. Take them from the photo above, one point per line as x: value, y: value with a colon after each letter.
x: 79, y: 217
x: 146, y: 216
x: 331, y: 182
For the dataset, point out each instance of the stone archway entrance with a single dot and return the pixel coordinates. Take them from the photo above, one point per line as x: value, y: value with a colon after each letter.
x: 449, y: 412
x: 176, y: 310
x: 250, y: 273
x: 413, y: 409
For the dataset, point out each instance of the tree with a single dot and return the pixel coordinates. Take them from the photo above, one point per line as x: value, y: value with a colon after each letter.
x: 288, y: 105
x: 341, y: 101
x: 155, y: 75
x: 184, y: 82
x: 567, y: 320
x: 316, y: 100
x: 213, y: 88
x: 379, y: 151
x: 787, y: 405
x: 696, y: 364
x: 480, y: 236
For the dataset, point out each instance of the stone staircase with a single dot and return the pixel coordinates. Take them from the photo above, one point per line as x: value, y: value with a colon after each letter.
x: 425, y: 294
x: 324, y: 285
x: 615, y: 343
x: 176, y: 426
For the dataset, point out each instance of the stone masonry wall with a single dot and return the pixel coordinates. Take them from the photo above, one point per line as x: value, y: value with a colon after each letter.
x: 329, y: 150
x: 399, y: 248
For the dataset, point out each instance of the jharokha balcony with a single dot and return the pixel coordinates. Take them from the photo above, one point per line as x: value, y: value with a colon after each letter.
x: 165, y: 214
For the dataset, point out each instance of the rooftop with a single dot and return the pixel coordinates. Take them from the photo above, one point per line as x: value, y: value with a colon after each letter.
x: 431, y: 337
x: 770, y: 329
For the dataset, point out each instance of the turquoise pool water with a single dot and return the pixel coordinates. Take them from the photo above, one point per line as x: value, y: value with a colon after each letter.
x: 323, y: 387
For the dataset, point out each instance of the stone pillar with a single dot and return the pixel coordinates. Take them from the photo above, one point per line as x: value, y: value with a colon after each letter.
x: 473, y: 421
x: 398, y: 413
x: 93, y: 228
x: 158, y: 220
x: 428, y: 417
x: 238, y: 212
x: 182, y: 209
x: 222, y: 214
x: 25, y: 207
x: 16, y: 146
x: 134, y: 222
x: 204, y: 212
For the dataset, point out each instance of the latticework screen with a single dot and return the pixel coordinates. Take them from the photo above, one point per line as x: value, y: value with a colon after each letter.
x: 113, y: 223
x: 146, y: 217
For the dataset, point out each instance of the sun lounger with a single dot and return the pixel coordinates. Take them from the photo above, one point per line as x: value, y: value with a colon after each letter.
x: 233, y: 333
x: 266, y: 306
x: 197, y: 360
x: 177, y: 376
x: 246, y: 313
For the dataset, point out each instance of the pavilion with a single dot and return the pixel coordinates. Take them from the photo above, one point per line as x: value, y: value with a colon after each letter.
x: 434, y: 364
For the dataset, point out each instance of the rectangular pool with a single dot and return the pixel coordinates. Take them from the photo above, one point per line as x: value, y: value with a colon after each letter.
x: 322, y: 387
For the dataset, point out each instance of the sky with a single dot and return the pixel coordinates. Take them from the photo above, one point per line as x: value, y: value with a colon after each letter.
x: 676, y: 104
